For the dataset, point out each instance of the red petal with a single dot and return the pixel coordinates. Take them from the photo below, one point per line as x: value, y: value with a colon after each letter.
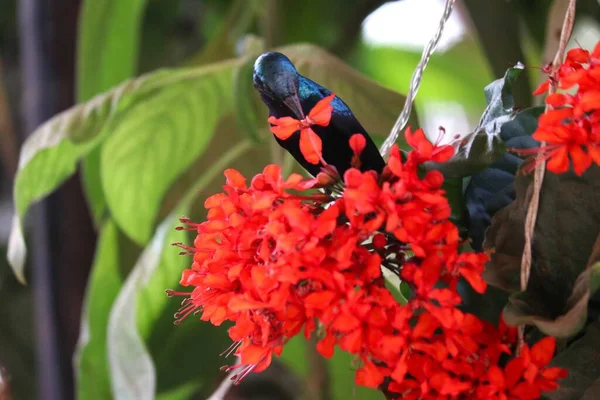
x: 581, y: 159
x: 578, y: 56
x: 514, y: 371
x: 235, y: 179
x: 554, y: 373
x: 369, y: 375
x: 237, y: 304
x: 442, y: 153
x: 284, y: 127
x: 357, y: 143
x: 401, y: 368
x: 321, y: 112
x: 596, y: 52
x: 311, y: 146
x: 559, y: 162
x: 325, y: 347
x: 594, y: 152
x: 496, y: 377
x: 526, y: 391
x: 556, y: 99
x: 590, y: 100
x: 475, y: 280
x: 543, y: 88
x: 543, y: 351
x: 553, y: 117
x: 254, y: 354
x: 346, y: 323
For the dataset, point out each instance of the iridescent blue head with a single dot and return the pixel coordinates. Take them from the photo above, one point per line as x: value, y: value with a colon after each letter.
x: 276, y: 79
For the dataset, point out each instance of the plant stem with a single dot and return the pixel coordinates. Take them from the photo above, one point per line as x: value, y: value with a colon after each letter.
x: 538, y: 176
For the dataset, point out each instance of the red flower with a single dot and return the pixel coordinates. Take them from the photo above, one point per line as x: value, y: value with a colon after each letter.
x: 570, y: 131
x: 276, y: 259
x: 311, y: 145
x: 425, y: 150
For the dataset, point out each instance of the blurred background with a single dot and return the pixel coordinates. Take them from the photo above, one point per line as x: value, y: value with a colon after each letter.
x: 43, y: 50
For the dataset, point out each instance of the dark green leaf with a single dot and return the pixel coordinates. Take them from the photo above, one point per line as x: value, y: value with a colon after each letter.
x: 493, y: 188
x: 560, y: 284
x: 483, y: 146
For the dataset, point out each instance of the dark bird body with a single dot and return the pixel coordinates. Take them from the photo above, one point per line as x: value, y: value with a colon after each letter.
x: 289, y: 94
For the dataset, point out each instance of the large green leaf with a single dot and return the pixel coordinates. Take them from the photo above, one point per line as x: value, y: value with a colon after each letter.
x: 108, y: 44
x: 131, y: 367
x: 51, y: 153
x: 157, y: 140
x: 143, y: 342
x: 107, y: 54
x: 105, y: 281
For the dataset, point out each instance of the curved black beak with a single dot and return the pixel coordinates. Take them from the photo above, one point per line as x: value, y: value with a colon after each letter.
x: 293, y: 103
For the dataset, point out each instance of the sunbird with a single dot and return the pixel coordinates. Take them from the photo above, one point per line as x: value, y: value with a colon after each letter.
x: 288, y: 94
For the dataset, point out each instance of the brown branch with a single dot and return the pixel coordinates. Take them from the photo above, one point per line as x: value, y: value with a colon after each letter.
x: 9, y: 149
x: 318, y: 375
x: 540, y: 168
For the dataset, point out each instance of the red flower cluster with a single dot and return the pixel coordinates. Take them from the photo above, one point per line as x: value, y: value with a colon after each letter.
x: 277, y: 257
x: 572, y: 129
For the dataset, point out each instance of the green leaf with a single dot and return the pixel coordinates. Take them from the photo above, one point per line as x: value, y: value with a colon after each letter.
x: 143, y: 341
x: 561, y: 281
x: 340, y: 370
x: 105, y: 281
x: 107, y: 54
x: 51, y: 153
x: 131, y: 369
x: 483, y: 146
x: 157, y: 140
x: 92, y: 184
x: 247, y: 103
x: 108, y: 44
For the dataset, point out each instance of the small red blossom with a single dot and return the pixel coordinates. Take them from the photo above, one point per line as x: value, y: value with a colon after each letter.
x: 569, y: 127
x: 425, y: 150
x: 278, y: 259
x: 311, y: 144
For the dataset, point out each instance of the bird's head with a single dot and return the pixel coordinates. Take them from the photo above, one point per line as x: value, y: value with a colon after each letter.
x: 276, y: 79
